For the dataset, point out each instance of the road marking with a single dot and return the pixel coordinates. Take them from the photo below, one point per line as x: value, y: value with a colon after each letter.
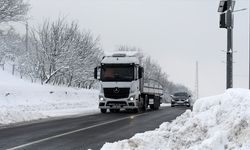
x: 74, y: 131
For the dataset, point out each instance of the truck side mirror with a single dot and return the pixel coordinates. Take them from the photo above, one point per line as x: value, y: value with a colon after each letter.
x: 95, y: 73
x: 141, y: 71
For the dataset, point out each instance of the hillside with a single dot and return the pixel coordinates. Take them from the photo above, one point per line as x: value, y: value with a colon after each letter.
x: 22, y: 101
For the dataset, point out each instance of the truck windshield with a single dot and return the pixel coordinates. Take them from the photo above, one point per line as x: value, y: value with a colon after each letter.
x: 117, y: 73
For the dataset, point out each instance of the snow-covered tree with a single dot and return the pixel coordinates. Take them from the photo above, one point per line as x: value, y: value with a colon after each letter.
x: 68, y: 55
x: 58, y: 53
x: 13, y: 10
x: 11, y: 47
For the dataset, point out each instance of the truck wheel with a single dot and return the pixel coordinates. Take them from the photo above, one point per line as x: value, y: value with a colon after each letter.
x: 103, y: 110
x: 156, y: 104
x: 136, y: 110
x: 128, y: 110
x: 143, y: 108
x: 172, y: 105
x: 145, y: 103
x: 152, y: 107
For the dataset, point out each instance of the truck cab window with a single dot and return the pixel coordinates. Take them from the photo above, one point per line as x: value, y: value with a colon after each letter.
x: 117, y: 73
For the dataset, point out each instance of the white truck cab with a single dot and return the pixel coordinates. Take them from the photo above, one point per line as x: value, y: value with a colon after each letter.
x: 122, y: 84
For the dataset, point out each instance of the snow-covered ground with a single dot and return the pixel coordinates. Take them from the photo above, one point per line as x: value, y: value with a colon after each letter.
x: 216, y: 123
x: 22, y: 101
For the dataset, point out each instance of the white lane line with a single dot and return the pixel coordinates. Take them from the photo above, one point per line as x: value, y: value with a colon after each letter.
x: 71, y: 132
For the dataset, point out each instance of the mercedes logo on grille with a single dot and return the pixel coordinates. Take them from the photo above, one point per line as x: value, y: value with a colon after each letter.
x: 116, y: 90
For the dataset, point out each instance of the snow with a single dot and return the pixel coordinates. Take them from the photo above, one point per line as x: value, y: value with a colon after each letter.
x: 120, y: 60
x: 127, y: 53
x: 218, y: 122
x: 22, y: 101
x: 129, y: 57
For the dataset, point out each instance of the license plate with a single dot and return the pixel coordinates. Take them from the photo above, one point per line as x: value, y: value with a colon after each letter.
x: 180, y: 102
x: 115, y: 106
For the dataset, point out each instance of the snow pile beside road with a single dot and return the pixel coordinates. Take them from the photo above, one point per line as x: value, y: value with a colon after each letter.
x: 219, y: 122
x: 22, y: 101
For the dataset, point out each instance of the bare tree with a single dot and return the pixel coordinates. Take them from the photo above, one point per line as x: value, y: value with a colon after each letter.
x: 13, y: 10
x: 11, y: 47
x: 68, y: 55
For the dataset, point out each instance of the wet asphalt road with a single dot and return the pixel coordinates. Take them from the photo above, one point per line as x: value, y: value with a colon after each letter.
x: 86, y: 132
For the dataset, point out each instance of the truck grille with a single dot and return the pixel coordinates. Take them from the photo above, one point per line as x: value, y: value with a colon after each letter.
x: 116, y: 93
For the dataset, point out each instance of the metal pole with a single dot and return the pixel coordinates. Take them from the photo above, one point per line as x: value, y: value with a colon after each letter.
x: 229, y: 45
x: 249, y: 43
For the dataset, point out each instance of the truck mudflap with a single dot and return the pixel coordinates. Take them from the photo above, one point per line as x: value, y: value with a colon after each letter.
x: 154, y: 102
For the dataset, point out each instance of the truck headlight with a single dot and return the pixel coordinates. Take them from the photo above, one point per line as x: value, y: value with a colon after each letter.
x: 132, y: 98
x: 101, y: 98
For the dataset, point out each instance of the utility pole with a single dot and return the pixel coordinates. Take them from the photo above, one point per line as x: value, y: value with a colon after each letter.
x: 229, y: 46
x: 226, y: 21
x: 229, y: 16
x: 27, y: 37
x: 197, y: 80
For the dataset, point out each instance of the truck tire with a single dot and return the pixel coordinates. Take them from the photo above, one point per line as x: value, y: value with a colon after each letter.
x: 136, y: 110
x: 111, y: 110
x: 103, y: 110
x: 145, y: 103
x: 156, y: 104
x: 157, y: 108
x: 152, y: 106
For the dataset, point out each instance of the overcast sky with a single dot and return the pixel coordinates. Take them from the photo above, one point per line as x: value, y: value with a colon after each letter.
x: 175, y: 33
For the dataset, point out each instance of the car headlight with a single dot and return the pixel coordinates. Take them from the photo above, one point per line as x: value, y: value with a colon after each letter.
x: 101, y: 98
x: 187, y: 100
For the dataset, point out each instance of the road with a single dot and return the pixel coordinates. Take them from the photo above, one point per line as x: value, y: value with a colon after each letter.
x: 86, y: 132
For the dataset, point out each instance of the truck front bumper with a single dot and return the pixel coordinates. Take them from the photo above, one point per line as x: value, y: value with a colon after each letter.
x: 118, y: 105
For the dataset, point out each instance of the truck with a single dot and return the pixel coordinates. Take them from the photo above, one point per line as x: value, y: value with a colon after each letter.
x: 123, y: 85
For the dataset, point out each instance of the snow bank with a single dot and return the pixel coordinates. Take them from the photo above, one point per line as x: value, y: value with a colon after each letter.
x: 219, y: 122
x: 22, y: 101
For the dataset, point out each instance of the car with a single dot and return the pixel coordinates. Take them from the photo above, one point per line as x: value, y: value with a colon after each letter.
x: 181, y: 98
